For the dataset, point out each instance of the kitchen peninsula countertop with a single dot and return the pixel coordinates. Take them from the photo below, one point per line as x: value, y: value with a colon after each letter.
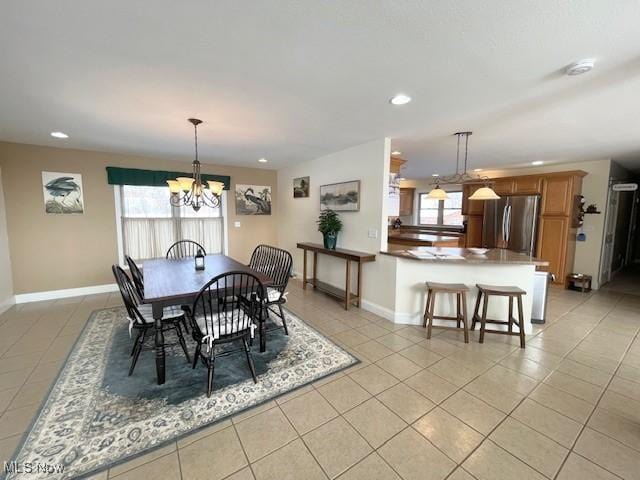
x: 496, y: 256
x: 421, y: 237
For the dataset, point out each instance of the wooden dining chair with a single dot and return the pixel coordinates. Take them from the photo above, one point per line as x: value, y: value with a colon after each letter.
x: 141, y: 318
x: 184, y: 249
x: 227, y: 309
x: 276, y: 264
x: 136, y: 276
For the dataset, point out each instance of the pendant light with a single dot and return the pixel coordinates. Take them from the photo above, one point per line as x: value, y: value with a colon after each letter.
x: 190, y: 191
x: 437, y: 193
x: 483, y: 193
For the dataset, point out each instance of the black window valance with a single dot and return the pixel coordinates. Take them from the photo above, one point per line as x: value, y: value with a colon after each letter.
x: 155, y: 178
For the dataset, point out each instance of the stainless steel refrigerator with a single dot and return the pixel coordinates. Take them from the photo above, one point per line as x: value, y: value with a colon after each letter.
x: 512, y: 223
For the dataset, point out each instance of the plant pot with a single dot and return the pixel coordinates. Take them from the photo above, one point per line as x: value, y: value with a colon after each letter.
x: 330, y: 240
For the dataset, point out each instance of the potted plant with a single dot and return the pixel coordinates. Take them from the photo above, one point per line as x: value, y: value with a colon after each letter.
x: 329, y: 224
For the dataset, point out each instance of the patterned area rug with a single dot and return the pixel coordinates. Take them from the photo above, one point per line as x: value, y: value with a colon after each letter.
x: 95, y: 415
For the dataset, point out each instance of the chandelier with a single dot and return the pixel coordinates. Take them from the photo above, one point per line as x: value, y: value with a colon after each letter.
x: 483, y: 193
x: 191, y: 192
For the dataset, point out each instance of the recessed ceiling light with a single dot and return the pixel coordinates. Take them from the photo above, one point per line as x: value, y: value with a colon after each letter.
x: 537, y: 162
x: 396, y: 152
x: 477, y: 169
x: 435, y: 174
x: 580, y: 67
x: 263, y: 160
x: 59, y: 135
x: 400, y: 99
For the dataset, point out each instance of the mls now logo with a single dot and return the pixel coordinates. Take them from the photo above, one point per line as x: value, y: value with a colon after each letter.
x: 31, y: 467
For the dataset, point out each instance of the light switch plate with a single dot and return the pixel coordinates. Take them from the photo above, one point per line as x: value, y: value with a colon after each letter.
x: 373, y: 233
x: 236, y: 224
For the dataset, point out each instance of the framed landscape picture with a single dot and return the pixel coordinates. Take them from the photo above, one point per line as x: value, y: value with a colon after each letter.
x: 253, y: 200
x: 63, y: 193
x: 341, y: 197
x: 301, y: 187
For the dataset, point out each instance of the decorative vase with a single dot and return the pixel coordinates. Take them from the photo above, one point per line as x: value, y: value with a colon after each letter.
x: 330, y: 240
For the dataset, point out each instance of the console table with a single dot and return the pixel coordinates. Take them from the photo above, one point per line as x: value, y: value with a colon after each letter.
x: 350, y: 256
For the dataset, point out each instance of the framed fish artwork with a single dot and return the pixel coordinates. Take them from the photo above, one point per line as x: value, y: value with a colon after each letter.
x: 63, y: 193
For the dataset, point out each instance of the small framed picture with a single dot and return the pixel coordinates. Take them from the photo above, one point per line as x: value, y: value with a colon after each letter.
x: 341, y: 197
x: 301, y: 187
x: 62, y: 193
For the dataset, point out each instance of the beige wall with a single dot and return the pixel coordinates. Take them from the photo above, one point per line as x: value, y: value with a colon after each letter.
x: 6, y: 283
x: 594, y: 189
x: 368, y: 163
x: 52, y: 252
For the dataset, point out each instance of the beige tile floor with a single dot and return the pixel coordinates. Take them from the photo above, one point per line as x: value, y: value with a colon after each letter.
x: 566, y: 407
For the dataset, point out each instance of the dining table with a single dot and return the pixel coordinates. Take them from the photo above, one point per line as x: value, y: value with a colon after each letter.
x: 169, y: 282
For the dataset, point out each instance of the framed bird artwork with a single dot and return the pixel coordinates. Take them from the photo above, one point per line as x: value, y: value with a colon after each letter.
x: 253, y: 200
x: 63, y: 193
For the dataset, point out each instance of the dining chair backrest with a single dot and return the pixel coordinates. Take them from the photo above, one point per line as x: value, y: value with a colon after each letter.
x: 136, y: 275
x: 228, y: 305
x: 184, y: 248
x: 129, y: 294
x: 273, y: 262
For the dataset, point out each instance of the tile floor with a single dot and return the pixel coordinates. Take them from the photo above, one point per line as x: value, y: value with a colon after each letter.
x: 566, y: 407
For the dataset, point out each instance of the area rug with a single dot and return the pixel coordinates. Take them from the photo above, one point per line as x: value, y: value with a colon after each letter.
x: 96, y: 416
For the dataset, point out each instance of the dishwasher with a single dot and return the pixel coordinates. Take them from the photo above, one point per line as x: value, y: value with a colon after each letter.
x: 541, y: 282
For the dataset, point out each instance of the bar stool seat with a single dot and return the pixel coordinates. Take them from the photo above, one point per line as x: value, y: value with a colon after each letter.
x: 484, y: 292
x: 460, y: 290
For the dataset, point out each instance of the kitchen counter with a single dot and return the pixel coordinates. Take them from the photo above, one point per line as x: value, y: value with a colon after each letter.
x: 496, y: 256
x: 404, y: 239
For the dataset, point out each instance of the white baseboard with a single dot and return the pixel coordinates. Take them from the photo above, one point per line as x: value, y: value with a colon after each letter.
x: 66, y: 293
x: 7, y: 303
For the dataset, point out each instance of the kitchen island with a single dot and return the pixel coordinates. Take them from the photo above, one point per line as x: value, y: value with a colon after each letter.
x: 414, y: 267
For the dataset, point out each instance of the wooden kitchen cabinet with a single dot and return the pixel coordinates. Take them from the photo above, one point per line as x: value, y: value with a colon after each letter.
x: 557, y: 195
x: 527, y: 185
x: 473, y: 237
x: 471, y: 207
x: 406, y: 201
x: 504, y: 186
x: 553, y: 245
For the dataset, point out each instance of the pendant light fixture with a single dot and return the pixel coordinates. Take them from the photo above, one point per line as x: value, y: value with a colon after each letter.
x: 191, y: 192
x: 483, y: 193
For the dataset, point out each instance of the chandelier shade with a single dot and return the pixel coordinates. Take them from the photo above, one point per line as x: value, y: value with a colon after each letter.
x: 192, y: 191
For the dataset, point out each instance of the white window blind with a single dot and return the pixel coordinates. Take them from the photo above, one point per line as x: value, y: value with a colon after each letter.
x: 150, y: 225
x: 441, y: 212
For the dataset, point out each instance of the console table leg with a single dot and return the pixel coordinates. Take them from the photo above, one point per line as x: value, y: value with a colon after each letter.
x: 304, y: 270
x: 315, y: 268
x: 359, y: 283
x: 347, y: 287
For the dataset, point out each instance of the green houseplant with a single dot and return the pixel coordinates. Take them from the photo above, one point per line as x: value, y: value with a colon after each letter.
x: 329, y: 224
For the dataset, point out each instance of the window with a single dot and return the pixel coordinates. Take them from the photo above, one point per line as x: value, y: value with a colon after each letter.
x: 149, y: 225
x: 441, y: 212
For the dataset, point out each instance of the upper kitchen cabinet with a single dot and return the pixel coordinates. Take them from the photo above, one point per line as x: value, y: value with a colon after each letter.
x: 557, y: 195
x: 396, y: 164
x: 504, y: 186
x: 528, y: 185
x: 471, y: 207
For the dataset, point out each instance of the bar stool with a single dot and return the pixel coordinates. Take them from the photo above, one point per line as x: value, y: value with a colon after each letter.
x: 499, y: 291
x: 461, y: 306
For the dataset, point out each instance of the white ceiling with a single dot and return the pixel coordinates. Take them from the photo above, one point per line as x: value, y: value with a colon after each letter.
x: 293, y: 80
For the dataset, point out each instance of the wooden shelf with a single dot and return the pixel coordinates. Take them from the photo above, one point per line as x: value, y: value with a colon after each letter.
x: 336, y: 292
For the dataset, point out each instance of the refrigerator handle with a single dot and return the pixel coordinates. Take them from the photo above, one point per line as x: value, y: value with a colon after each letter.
x: 533, y: 230
x: 507, y: 230
x: 504, y: 223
